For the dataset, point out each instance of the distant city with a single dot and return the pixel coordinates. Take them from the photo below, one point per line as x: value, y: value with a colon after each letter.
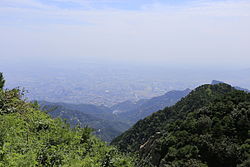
x: 109, y: 83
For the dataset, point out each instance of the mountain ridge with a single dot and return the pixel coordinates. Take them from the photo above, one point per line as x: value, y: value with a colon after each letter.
x: 144, y: 108
x: 103, y: 124
x: 192, y: 132
x: 108, y: 123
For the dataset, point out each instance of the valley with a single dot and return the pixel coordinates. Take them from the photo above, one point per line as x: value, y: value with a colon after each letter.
x: 107, y: 122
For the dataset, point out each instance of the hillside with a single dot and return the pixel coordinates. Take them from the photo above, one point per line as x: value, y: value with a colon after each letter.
x: 109, y: 123
x: 30, y: 137
x: 101, y: 120
x: 131, y: 113
x: 90, y: 109
x: 209, y: 127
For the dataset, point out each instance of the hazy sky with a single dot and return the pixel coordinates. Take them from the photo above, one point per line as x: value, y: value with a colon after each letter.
x: 186, y: 32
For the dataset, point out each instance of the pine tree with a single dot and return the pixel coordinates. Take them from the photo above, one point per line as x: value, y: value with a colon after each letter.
x: 2, y: 81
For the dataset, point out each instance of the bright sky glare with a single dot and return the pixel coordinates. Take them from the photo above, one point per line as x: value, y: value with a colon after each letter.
x: 188, y: 32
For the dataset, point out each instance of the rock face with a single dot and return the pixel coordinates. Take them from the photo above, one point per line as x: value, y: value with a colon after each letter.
x: 146, y: 149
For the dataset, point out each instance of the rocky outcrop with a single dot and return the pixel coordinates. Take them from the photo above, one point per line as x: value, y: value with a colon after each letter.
x: 148, y: 150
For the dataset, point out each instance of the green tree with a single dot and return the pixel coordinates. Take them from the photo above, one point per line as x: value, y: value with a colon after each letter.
x: 2, y: 81
x: 30, y: 137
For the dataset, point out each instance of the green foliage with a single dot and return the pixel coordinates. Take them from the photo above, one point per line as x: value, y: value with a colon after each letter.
x: 210, y: 127
x: 29, y: 137
x: 2, y: 81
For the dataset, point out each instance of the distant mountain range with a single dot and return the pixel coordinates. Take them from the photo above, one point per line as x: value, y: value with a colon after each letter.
x: 214, y: 82
x: 132, y: 112
x: 111, y: 122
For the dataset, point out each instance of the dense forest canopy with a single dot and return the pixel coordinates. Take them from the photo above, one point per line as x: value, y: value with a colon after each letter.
x: 210, y: 127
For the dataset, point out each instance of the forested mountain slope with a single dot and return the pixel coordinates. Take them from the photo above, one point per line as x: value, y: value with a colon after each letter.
x: 106, y: 128
x: 30, y: 137
x: 209, y: 127
x: 90, y: 109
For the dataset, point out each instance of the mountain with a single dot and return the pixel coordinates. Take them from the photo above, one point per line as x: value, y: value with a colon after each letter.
x: 30, y: 137
x: 97, y: 117
x: 108, y: 123
x: 90, y: 109
x: 127, y: 106
x: 209, y: 127
x: 214, y: 82
x: 243, y: 89
x: 144, y: 108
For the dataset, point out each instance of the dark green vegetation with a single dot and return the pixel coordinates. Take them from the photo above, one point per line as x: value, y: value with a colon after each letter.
x: 99, y: 118
x: 2, y: 81
x: 30, y: 137
x: 210, y: 127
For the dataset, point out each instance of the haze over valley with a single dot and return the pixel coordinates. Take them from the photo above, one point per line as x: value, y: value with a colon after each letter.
x: 107, y: 82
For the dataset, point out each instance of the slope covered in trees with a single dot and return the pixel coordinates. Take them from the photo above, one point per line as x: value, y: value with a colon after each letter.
x: 30, y: 137
x: 103, y: 124
x: 210, y: 127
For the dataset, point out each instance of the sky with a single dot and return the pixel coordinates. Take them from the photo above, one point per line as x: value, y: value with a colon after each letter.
x: 171, y: 32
